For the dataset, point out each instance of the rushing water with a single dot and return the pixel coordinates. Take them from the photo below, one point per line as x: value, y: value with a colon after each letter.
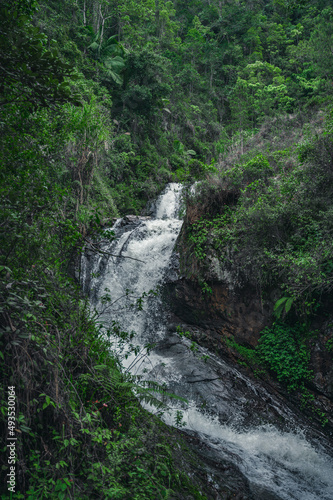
x: 235, y: 416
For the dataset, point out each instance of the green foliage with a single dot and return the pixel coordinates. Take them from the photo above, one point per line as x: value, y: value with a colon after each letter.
x: 257, y: 168
x: 31, y: 74
x: 308, y: 403
x: 182, y: 333
x: 205, y: 288
x: 112, y: 54
x: 269, y: 220
x: 194, y: 348
x: 251, y: 173
x: 283, y: 305
x: 284, y: 350
x: 183, y: 80
x: 329, y: 345
x: 250, y: 356
x: 207, y: 234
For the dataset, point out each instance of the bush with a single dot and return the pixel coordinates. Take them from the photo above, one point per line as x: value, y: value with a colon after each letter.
x: 257, y: 168
x: 283, y: 348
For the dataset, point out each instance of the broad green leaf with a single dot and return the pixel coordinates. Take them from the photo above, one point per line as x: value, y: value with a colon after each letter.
x: 289, y: 303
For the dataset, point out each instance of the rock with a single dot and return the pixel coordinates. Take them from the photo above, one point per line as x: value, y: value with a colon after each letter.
x: 321, y: 361
x: 133, y: 219
x: 225, y: 312
x: 222, y: 480
x: 130, y: 219
x: 233, y: 308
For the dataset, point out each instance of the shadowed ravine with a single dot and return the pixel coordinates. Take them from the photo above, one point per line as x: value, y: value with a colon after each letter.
x: 237, y: 418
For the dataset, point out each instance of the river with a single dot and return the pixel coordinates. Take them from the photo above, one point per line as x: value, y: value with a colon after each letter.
x: 234, y: 415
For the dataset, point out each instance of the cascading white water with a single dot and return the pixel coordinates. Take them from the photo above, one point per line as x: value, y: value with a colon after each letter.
x: 276, y: 460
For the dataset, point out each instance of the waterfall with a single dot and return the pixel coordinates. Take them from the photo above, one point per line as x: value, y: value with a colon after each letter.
x: 233, y: 415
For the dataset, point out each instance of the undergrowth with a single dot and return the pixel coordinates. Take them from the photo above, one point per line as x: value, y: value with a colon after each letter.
x: 284, y: 350
x: 81, y: 432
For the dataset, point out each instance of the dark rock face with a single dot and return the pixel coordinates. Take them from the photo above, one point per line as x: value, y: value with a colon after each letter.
x: 220, y: 479
x: 231, y: 308
x: 321, y: 362
x: 223, y: 312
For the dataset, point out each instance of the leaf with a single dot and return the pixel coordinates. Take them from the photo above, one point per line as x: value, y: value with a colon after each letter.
x: 278, y: 311
x: 94, y: 46
x: 112, y: 39
x: 289, y: 303
x: 109, y: 51
x: 115, y: 77
x: 5, y: 268
x: 279, y: 302
x: 115, y: 63
x: 100, y: 367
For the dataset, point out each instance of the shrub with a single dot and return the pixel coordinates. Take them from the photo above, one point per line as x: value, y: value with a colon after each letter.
x: 283, y: 348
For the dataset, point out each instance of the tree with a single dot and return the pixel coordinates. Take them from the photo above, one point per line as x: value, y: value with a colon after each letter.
x: 240, y: 103
x: 321, y: 43
x: 112, y: 54
x: 31, y: 75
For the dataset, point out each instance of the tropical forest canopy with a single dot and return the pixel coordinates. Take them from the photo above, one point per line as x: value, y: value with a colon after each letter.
x: 171, y: 82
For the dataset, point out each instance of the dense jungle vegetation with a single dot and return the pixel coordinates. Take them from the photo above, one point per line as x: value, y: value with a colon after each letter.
x: 101, y: 104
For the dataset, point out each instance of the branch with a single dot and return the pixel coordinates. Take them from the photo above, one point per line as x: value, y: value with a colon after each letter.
x: 15, y: 99
x: 111, y: 254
